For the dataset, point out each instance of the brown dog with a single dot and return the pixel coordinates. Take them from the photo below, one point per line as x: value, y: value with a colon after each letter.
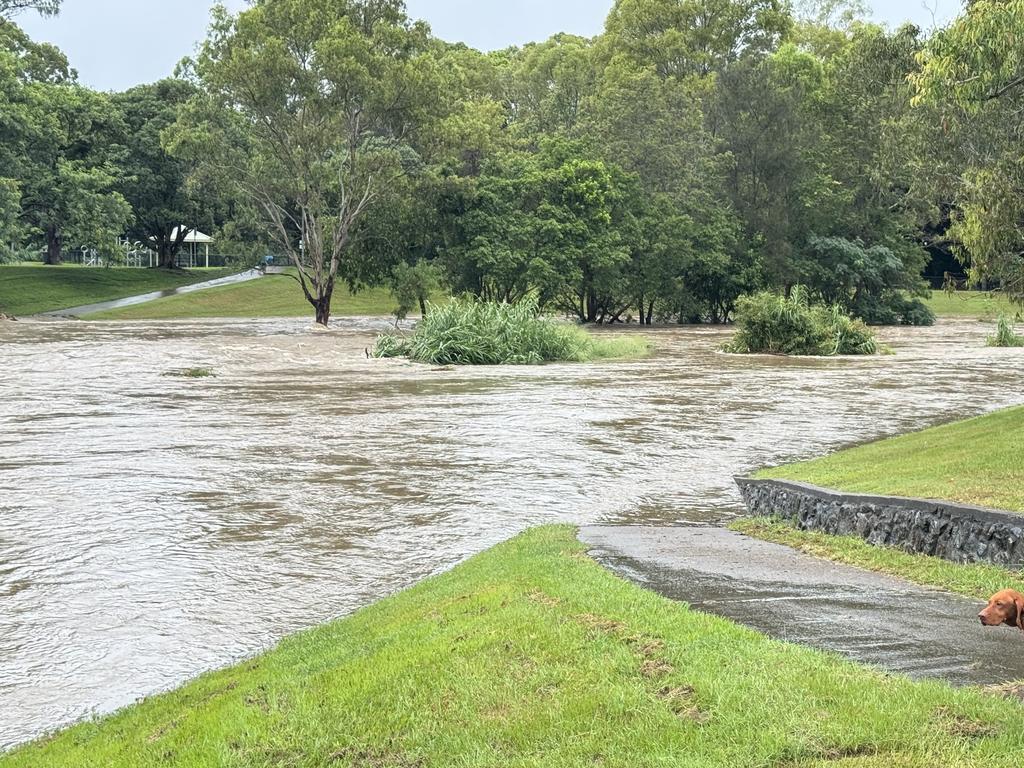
x: 1006, y: 607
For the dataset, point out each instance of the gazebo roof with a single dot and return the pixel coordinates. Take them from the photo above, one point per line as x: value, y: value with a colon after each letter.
x: 193, y: 236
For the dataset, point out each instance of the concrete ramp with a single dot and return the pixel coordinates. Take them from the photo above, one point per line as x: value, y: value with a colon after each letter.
x: 868, y: 617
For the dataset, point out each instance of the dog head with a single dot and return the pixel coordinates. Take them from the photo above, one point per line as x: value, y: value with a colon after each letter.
x: 1006, y: 607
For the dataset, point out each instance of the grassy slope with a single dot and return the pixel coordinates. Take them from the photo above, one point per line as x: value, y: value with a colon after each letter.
x: 973, y: 304
x: 978, y: 461
x: 532, y: 655
x: 29, y: 290
x: 271, y: 296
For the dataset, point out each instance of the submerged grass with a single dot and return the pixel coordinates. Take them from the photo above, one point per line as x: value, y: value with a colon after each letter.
x: 974, y: 580
x: 978, y: 461
x: 470, y: 332
x: 532, y: 655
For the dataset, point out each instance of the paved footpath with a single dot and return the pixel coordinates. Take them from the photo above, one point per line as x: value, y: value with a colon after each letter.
x: 143, y: 298
x: 868, y: 617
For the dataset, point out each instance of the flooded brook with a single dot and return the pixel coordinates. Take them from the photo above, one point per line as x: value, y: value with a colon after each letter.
x: 154, y: 527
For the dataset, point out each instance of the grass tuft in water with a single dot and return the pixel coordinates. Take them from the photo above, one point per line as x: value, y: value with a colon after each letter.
x: 470, y: 332
x: 192, y: 373
x: 1006, y: 335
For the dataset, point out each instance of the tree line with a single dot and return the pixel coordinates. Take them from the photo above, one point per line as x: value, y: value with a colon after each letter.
x: 694, y: 152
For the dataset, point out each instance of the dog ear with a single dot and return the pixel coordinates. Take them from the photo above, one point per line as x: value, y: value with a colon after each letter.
x: 1018, y: 601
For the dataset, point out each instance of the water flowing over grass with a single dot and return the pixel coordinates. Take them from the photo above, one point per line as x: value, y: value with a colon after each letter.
x: 532, y: 655
x: 978, y: 461
x: 470, y: 332
x: 770, y: 323
x: 1006, y: 335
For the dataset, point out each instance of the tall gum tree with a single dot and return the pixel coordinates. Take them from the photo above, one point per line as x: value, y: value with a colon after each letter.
x: 312, y: 108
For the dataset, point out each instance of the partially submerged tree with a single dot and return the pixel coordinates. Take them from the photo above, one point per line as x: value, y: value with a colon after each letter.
x: 312, y: 109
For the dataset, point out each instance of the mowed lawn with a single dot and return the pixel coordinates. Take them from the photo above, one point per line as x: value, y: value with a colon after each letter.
x: 32, y: 289
x: 270, y: 296
x: 979, y: 461
x: 979, y: 305
x: 532, y: 655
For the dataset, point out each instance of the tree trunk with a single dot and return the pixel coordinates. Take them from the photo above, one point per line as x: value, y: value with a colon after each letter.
x: 166, y: 255
x: 54, y: 245
x: 650, y: 314
x: 423, y: 307
x: 323, y: 306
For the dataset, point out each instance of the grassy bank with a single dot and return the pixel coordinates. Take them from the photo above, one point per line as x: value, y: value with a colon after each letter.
x: 270, y: 296
x: 32, y: 289
x: 532, y: 655
x: 975, y: 580
x: 978, y: 305
x: 978, y: 461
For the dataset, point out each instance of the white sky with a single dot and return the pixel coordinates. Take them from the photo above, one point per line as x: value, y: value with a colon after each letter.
x: 115, y: 44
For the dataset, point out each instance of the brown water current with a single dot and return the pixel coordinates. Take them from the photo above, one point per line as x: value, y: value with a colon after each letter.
x: 154, y: 527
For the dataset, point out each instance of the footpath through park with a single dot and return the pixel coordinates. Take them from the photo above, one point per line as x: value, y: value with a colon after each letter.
x: 868, y: 617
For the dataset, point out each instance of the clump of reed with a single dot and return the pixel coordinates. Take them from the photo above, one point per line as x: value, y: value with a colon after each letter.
x: 790, y: 325
x: 466, y: 331
x: 1006, y: 335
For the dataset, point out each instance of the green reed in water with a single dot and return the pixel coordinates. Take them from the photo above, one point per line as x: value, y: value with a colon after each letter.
x: 470, y: 332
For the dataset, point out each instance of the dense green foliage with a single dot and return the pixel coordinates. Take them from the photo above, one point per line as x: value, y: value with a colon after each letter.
x: 694, y: 152
x: 789, y: 325
x: 473, y: 332
x: 532, y: 655
x: 975, y: 462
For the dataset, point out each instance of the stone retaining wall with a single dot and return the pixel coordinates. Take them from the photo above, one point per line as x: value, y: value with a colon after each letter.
x: 955, y: 532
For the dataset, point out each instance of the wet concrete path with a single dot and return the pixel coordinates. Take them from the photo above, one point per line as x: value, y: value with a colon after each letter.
x: 143, y: 298
x: 868, y: 617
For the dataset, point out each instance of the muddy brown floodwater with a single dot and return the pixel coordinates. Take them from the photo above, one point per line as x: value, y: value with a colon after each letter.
x: 154, y: 527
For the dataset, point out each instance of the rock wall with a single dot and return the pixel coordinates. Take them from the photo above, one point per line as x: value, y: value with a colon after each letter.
x: 955, y: 532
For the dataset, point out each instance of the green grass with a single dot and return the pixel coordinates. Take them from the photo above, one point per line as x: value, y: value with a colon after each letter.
x: 466, y: 331
x: 32, y: 289
x: 532, y: 655
x: 980, y: 305
x: 270, y: 296
x: 973, y: 580
x: 979, y: 461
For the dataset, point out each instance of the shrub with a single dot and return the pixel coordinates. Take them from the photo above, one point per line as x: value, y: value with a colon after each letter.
x: 894, y: 308
x: 471, y: 332
x: 1006, y: 335
x: 770, y: 323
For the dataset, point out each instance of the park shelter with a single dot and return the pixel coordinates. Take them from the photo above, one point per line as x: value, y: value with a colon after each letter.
x: 195, y: 248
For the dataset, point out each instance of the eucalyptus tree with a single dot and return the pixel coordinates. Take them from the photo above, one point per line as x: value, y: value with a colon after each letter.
x: 312, y: 108
x: 972, y: 81
x: 9, y: 8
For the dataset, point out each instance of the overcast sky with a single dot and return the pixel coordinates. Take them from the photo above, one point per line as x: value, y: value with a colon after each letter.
x: 115, y: 44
